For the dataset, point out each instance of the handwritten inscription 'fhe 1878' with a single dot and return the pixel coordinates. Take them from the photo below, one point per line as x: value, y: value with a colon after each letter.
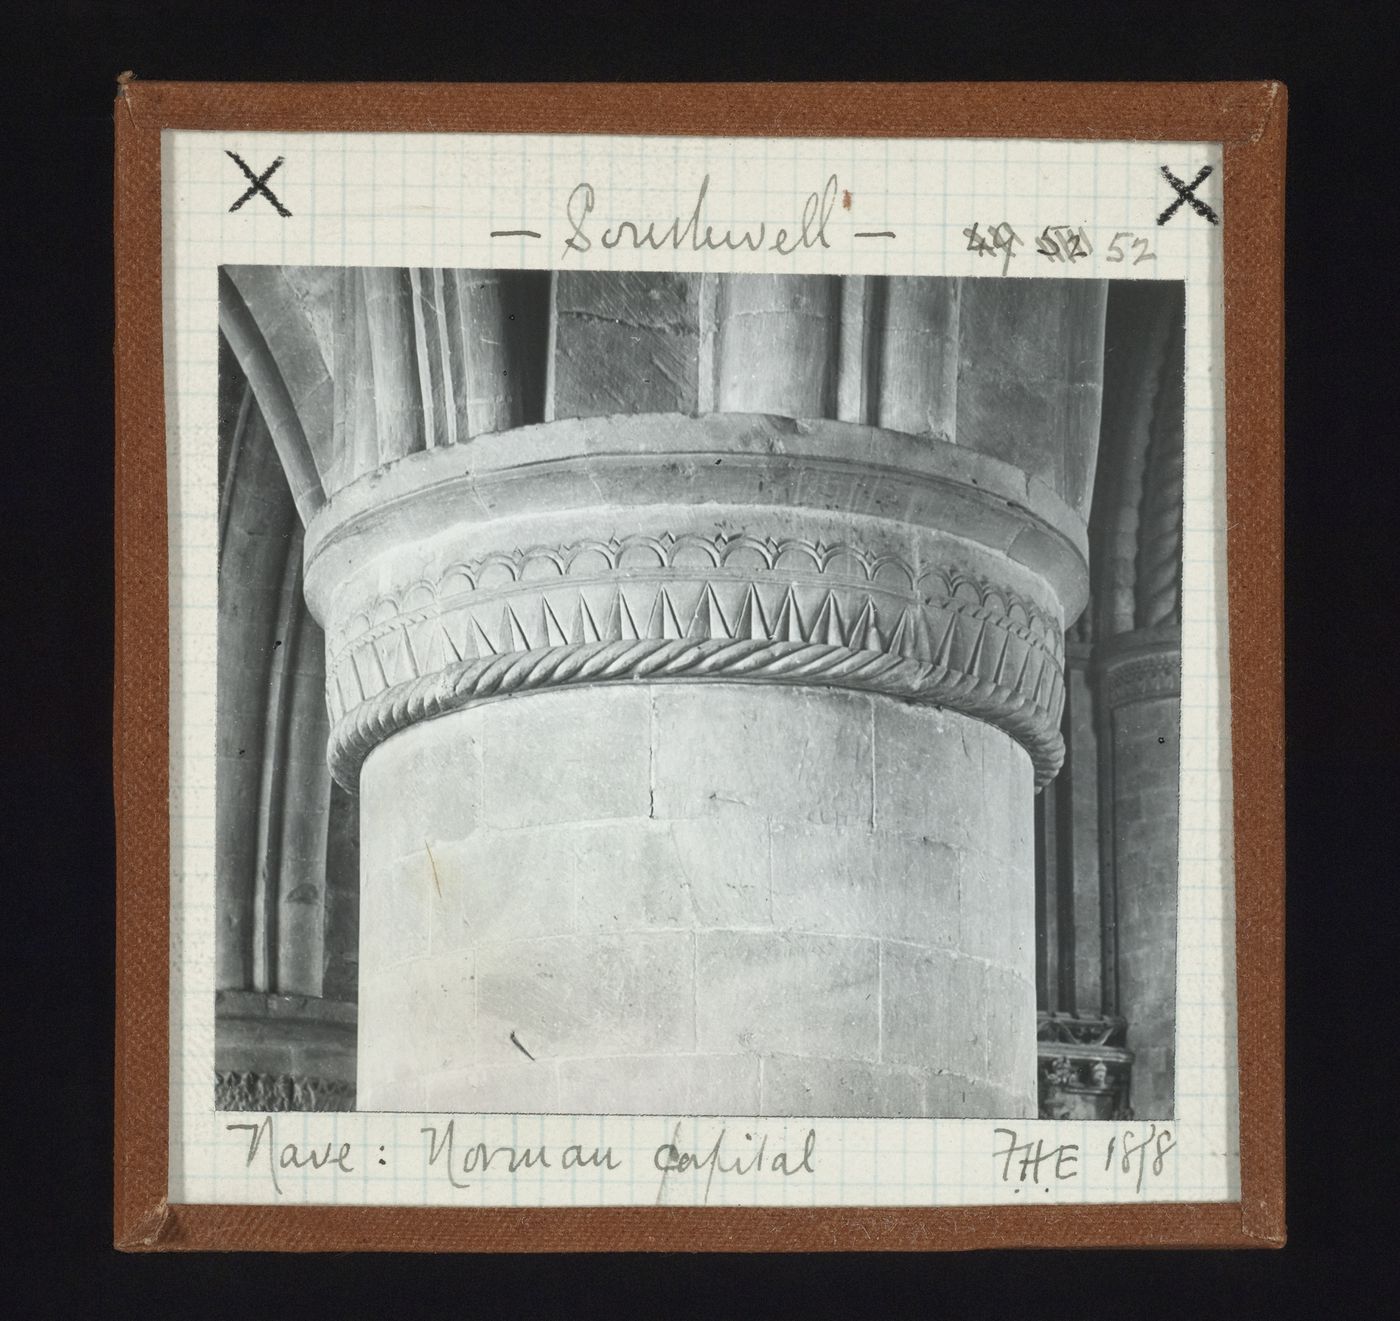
x: 1035, y: 1162
x: 692, y: 234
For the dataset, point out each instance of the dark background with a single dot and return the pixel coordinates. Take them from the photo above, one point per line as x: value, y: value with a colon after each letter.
x: 1339, y: 64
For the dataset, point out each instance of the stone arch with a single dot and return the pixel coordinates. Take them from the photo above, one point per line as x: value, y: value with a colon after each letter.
x: 1136, y: 572
x: 1137, y: 491
x: 285, y: 850
x: 281, y: 358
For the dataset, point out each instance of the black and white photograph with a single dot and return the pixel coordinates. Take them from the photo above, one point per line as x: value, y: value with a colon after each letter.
x: 654, y: 693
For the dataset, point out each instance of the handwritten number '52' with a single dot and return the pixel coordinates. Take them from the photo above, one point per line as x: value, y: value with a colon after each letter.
x: 1063, y: 243
x: 1139, y: 245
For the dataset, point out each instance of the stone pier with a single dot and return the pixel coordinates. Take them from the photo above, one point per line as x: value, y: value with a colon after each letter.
x: 695, y: 666
x: 1137, y: 620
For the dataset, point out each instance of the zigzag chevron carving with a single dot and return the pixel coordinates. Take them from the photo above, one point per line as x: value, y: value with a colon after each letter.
x: 696, y: 608
x: 945, y: 632
x: 526, y: 629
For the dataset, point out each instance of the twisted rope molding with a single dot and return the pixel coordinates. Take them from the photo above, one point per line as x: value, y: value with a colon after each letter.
x: 1030, y: 720
x: 1158, y: 586
x: 1157, y: 577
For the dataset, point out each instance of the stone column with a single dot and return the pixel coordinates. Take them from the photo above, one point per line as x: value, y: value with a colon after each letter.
x: 695, y: 645
x: 696, y: 759
x: 1141, y: 700
x: 283, y: 1038
x: 696, y: 753
x: 1140, y: 687
x: 1138, y: 666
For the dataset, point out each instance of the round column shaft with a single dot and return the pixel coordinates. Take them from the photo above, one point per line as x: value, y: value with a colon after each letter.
x: 696, y: 760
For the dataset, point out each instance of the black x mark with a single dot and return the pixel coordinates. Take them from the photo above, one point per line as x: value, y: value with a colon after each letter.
x: 1186, y: 192
x: 259, y: 183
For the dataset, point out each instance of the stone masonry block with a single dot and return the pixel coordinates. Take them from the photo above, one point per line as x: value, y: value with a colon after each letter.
x: 522, y: 1088
x: 846, y: 880
x: 951, y: 1096
x: 503, y: 885
x: 1010, y: 1022
x: 420, y: 786
x: 640, y: 874
x: 998, y: 911
x: 629, y: 877
x: 920, y: 889
x: 789, y: 754
x: 724, y: 868
x: 575, y: 754
x: 654, y: 1084
x: 928, y: 772
x: 395, y: 912
x: 933, y: 1010
x: 419, y: 1017
x: 724, y: 1085
x: 824, y: 880
x: 407, y: 1095
x: 793, y: 1085
x: 776, y: 992
x: 587, y: 995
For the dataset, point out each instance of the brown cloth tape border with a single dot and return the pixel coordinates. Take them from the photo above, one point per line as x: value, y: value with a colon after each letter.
x: 1248, y: 118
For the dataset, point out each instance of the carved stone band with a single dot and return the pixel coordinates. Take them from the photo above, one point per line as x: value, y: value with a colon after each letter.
x: 734, y: 548
x: 1141, y: 666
